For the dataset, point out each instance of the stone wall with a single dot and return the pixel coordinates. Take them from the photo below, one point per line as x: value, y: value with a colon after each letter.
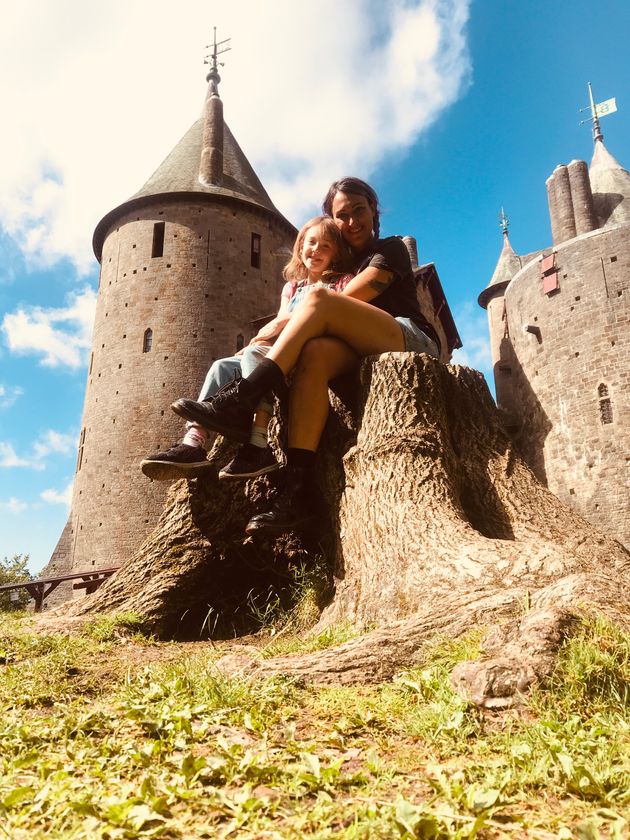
x: 570, y: 375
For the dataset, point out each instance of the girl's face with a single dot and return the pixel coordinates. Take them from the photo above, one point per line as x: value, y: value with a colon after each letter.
x: 354, y: 216
x: 318, y: 252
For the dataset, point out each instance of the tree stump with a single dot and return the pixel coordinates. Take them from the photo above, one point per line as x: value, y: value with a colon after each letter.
x: 436, y: 525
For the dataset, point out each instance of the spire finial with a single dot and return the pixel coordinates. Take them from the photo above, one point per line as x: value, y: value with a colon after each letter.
x: 602, y: 109
x: 504, y: 222
x: 217, y: 48
x: 597, y: 132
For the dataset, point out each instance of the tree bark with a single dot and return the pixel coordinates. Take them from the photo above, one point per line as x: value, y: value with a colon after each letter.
x: 436, y: 524
x: 438, y: 503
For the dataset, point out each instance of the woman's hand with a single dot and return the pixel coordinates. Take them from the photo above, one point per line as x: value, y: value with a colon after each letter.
x: 270, y: 331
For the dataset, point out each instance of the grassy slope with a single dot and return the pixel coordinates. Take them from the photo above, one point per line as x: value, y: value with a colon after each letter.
x: 109, y: 735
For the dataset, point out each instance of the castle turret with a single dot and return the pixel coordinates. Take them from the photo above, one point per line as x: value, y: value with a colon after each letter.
x: 610, y: 183
x: 492, y: 299
x: 188, y: 264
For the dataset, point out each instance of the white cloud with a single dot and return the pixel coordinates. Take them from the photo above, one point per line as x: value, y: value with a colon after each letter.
x: 49, y: 443
x: 9, y: 394
x: 10, y: 458
x: 14, y: 505
x: 310, y: 93
x: 58, y: 442
x: 55, y: 497
x: 60, y: 336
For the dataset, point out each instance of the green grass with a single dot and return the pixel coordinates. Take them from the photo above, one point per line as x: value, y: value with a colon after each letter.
x: 281, y: 645
x: 107, y: 628
x: 98, y: 742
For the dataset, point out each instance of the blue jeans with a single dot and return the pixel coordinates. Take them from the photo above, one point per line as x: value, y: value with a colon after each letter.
x: 416, y: 340
x: 223, y: 371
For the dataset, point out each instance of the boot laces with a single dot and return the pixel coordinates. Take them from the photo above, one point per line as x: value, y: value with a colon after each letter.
x: 227, y: 392
x: 231, y: 384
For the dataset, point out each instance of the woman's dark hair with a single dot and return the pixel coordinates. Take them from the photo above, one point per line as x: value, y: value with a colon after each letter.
x: 354, y: 186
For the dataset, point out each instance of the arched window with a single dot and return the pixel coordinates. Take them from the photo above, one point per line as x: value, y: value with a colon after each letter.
x: 240, y: 342
x: 147, y: 344
x: 605, y: 405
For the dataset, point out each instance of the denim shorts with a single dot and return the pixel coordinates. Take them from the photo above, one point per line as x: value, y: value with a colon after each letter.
x: 415, y: 340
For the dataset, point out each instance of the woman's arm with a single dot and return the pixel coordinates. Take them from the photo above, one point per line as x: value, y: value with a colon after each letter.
x: 275, y: 326
x: 368, y: 284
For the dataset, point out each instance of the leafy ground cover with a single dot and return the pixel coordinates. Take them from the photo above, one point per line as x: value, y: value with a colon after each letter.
x: 109, y: 734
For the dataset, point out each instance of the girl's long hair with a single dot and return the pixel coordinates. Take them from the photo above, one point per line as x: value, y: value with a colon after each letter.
x: 295, y: 269
x: 354, y: 186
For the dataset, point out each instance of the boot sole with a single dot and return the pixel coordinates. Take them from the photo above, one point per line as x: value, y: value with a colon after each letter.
x: 169, y: 471
x: 228, y: 432
x: 253, y: 474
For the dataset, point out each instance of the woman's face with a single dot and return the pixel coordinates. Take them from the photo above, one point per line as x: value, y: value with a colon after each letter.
x: 354, y: 216
x: 318, y: 252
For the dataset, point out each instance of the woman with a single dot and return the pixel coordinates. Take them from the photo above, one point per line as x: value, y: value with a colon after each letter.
x: 377, y: 312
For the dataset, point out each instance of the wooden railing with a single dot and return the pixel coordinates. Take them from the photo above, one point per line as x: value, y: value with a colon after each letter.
x: 40, y: 589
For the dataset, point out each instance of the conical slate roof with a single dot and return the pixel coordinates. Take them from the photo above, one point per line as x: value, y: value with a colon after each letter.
x: 179, y: 174
x: 508, y: 264
x: 610, y: 183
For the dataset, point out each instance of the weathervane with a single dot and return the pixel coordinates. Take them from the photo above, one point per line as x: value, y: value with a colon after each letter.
x: 602, y: 109
x: 211, y: 59
x: 504, y: 222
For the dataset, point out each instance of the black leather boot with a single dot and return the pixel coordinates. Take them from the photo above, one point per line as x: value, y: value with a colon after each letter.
x: 297, y: 505
x: 231, y: 410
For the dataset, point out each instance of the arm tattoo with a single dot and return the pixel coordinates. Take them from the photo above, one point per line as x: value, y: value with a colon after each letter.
x: 379, y: 284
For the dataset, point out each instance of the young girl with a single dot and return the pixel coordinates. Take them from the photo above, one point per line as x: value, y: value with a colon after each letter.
x: 318, y: 261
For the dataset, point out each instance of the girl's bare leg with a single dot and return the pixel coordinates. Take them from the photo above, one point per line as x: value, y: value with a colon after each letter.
x: 321, y: 360
x: 363, y: 327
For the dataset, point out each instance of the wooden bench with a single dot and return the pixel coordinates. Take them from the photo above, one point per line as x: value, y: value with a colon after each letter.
x: 40, y: 589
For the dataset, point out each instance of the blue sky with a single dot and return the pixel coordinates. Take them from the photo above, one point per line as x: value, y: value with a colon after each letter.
x: 451, y: 109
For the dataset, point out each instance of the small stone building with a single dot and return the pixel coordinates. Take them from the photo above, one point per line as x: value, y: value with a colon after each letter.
x: 191, y: 265
x: 560, y: 341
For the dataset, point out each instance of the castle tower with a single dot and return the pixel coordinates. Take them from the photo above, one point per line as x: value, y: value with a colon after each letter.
x: 493, y: 299
x: 567, y: 337
x: 188, y: 263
